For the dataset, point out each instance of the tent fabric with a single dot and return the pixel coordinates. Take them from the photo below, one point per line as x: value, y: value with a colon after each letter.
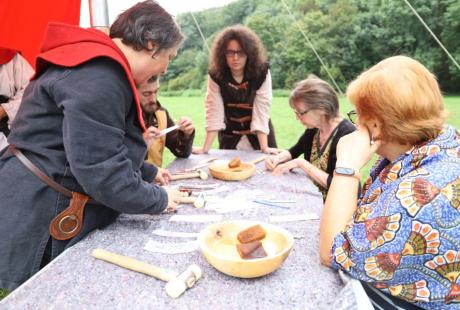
x: 23, y: 22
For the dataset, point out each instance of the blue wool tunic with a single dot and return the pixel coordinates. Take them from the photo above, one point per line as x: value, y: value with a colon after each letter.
x: 80, y: 126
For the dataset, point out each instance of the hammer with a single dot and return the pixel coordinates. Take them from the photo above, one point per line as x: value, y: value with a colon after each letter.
x: 198, y: 202
x: 176, y: 283
x: 195, y: 174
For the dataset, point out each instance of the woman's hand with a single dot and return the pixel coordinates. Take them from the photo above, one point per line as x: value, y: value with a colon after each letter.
x: 163, y: 176
x: 355, y: 149
x: 270, y: 150
x: 198, y: 150
x: 286, y: 167
x: 186, y: 125
x: 271, y: 162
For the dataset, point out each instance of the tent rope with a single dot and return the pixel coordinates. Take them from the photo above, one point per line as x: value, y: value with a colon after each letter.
x: 201, y: 33
x: 312, y: 47
x: 431, y: 32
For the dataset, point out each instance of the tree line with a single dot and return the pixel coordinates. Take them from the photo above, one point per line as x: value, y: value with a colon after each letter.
x: 349, y: 36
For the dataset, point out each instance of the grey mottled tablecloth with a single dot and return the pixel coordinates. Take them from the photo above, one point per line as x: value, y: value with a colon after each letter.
x: 75, y: 280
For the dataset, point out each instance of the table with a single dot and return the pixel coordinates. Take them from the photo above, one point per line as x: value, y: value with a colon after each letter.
x: 76, y: 280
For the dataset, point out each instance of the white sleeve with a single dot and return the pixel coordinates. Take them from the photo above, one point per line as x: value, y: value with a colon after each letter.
x: 261, y: 106
x: 20, y: 74
x: 214, y: 106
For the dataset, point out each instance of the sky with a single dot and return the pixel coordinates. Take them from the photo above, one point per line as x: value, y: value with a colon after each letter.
x: 174, y: 7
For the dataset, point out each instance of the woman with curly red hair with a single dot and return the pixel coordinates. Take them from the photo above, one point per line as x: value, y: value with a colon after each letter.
x: 239, y: 93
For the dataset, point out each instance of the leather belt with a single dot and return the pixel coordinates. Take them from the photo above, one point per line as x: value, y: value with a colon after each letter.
x: 46, y: 179
x: 69, y: 222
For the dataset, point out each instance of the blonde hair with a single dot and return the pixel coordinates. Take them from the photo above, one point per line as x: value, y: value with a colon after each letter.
x: 404, y: 96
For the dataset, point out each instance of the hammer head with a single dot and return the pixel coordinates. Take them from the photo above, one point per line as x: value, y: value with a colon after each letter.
x: 200, y: 201
x: 178, y: 285
x: 203, y: 175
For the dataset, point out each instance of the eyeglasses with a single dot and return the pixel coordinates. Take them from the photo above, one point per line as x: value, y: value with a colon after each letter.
x: 232, y: 53
x: 300, y: 114
x: 352, y: 116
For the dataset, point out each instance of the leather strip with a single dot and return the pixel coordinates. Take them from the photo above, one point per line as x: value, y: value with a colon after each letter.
x: 242, y: 132
x: 243, y: 119
x: 244, y: 106
x: 42, y: 176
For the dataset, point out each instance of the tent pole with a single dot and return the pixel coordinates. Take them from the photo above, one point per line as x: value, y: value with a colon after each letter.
x: 99, y: 15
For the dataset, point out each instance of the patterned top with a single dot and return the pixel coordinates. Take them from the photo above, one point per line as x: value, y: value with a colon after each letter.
x: 404, y: 238
x: 320, y: 156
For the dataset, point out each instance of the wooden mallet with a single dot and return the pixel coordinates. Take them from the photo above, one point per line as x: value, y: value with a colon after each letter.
x: 198, y: 202
x: 189, y: 175
x: 176, y: 283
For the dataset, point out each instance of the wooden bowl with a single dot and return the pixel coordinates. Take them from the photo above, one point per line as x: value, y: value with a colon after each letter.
x: 218, y: 244
x: 222, y: 171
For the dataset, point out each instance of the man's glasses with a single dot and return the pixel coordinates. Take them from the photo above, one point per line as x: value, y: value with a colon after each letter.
x: 232, y: 53
x: 352, y: 116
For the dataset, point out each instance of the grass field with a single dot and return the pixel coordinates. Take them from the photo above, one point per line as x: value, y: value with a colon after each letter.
x: 287, y: 128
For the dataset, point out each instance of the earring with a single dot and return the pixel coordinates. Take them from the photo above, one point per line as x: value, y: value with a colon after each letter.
x: 372, y: 140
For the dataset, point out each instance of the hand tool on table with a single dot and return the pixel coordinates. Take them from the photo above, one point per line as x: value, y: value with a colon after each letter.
x: 189, y: 175
x: 176, y: 283
x: 258, y: 160
x: 198, y: 202
x: 203, y: 164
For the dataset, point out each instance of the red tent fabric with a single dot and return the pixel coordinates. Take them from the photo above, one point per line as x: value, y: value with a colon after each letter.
x: 23, y: 22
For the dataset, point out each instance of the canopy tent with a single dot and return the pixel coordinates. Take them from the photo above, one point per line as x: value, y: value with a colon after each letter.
x: 23, y: 22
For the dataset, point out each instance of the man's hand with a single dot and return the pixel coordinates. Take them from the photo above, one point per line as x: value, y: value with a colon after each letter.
x: 186, y: 125
x: 151, y: 134
x: 163, y: 176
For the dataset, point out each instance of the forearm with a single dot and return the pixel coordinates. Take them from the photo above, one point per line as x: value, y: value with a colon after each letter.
x: 209, y: 139
x: 263, y: 140
x: 179, y: 143
x: 316, y: 174
x: 283, y: 156
x: 341, y: 203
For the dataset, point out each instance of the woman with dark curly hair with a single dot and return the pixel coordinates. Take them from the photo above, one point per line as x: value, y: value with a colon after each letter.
x: 239, y: 93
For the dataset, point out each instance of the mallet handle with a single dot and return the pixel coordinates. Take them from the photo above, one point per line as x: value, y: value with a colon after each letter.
x: 189, y: 199
x: 134, y: 265
x: 181, y: 176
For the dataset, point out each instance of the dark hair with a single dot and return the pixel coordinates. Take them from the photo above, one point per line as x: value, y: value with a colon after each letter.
x: 315, y: 93
x: 144, y: 23
x: 250, y: 43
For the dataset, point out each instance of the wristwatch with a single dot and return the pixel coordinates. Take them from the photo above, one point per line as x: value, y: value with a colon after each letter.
x: 349, y: 172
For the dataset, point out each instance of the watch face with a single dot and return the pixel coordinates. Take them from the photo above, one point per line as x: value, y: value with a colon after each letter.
x: 344, y: 171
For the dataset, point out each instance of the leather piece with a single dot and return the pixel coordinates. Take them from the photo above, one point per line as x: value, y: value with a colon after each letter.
x: 69, y: 222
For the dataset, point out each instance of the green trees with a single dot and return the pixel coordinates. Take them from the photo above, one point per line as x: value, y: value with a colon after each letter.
x: 349, y: 35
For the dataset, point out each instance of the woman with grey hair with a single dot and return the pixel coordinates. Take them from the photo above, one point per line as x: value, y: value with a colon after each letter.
x: 76, y: 154
x: 316, y: 106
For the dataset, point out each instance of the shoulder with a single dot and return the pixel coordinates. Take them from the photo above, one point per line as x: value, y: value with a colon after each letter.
x: 345, y: 127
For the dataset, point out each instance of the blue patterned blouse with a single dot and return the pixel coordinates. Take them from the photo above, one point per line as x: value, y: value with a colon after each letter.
x: 404, y: 238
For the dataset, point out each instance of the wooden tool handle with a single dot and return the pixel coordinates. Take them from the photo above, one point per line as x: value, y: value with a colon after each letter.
x: 185, y: 176
x: 134, y: 265
x: 189, y: 199
x: 258, y: 160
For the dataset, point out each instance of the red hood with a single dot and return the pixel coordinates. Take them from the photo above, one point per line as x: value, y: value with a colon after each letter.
x: 6, y: 54
x: 69, y: 46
